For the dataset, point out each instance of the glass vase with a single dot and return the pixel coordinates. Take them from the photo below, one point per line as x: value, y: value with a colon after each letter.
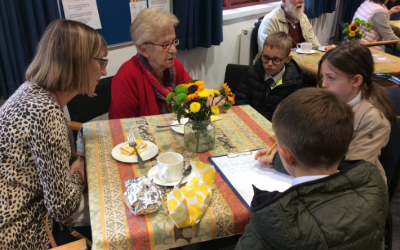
x: 199, y: 136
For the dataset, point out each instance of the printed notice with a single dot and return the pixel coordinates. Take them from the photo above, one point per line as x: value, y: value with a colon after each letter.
x: 160, y: 4
x: 136, y: 6
x: 84, y: 11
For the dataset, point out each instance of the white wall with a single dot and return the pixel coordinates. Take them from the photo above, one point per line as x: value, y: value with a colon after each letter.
x: 207, y: 64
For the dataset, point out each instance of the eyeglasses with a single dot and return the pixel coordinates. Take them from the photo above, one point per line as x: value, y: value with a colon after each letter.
x: 275, y: 61
x: 103, y: 62
x: 167, y: 45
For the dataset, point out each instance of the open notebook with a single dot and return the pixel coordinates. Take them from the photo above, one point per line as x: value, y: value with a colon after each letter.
x: 242, y: 171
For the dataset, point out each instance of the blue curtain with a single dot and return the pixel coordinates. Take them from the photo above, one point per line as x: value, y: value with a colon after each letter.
x: 349, y: 9
x: 21, y: 25
x: 315, y: 8
x: 200, y: 23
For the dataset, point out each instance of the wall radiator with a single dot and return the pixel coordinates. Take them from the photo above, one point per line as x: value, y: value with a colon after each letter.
x: 244, y: 50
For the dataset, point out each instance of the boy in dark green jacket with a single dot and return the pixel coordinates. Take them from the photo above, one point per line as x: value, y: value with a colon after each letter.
x: 329, y: 206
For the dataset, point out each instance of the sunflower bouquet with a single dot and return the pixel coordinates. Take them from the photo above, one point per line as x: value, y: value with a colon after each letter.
x: 193, y: 101
x: 356, y: 30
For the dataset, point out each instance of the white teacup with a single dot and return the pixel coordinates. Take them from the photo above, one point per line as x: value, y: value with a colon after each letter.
x: 304, y: 47
x: 170, y: 166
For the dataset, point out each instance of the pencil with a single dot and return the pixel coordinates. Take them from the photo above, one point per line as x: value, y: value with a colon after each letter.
x: 270, y: 150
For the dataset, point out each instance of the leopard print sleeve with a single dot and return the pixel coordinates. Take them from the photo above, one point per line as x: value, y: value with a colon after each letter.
x: 48, y: 142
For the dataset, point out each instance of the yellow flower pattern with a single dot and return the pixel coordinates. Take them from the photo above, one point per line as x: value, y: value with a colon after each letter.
x: 187, y: 205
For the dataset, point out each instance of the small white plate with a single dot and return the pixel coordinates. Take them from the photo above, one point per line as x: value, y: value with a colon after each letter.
x: 301, y: 52
x: 180, y: 129
x: 153, y: 173
x: 323, y: 48
x: 149, y: 153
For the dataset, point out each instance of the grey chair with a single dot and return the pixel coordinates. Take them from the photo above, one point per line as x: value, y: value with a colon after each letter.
x: 83, y: 108
x: 253, y: 39
x: 390, y: 155
x: 234, y: 74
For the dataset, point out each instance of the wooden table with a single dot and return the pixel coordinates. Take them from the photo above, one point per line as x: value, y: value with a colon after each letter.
x: 396, y: 27
x: 115, y: 227
x: 309, y: 63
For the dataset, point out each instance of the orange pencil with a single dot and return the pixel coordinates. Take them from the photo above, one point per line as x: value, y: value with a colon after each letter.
x: 270, y: 150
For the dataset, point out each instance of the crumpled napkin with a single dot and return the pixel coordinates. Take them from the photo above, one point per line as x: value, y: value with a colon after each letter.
x: 187, y: 205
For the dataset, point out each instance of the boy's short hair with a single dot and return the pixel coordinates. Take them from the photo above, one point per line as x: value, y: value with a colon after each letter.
x: 279, y: 40
x: 315, y: 125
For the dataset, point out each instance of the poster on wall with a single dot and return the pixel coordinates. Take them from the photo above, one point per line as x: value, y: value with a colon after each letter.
x: 84, y: 11
x: 160, y: 4
x: 136, y: 6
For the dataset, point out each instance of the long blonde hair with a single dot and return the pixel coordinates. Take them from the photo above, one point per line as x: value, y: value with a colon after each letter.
x: 63, y: 55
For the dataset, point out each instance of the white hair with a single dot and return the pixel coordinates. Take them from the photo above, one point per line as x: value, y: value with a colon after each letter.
x: 149, y: 25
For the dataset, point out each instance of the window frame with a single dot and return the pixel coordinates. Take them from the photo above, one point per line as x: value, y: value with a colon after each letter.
x: 227, y: 4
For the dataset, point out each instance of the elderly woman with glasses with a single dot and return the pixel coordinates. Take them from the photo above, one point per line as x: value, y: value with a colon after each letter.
x: 141, y: 84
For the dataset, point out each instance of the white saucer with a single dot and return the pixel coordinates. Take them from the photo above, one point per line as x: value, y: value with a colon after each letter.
x: 149, y: 153
x: 180, y: 129
x: 153, y: 173
x: 323, y: 48
x: 301, y: 52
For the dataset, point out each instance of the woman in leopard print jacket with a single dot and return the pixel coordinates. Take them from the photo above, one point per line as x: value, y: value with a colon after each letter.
x: 35, y: 175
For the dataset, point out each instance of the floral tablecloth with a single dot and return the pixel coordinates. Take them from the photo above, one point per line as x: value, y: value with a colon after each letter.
x: 113, y: 225
x: 396, y: 27
x: 309, y: 62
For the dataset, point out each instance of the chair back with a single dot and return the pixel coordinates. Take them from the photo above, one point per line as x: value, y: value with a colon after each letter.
x: 83, y: 108
x: 253, y: 39
x: 234, y: 74
x: 390, y: 155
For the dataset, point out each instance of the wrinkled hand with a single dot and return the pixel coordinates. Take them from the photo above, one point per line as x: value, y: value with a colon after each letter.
x: 216, y: 99
x: 265, y: 160
x: 394, y: 9
x: 79, y: 166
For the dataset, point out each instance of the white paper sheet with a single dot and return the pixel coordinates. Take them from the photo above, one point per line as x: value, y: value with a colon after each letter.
x: 84, y: 11
x: 243, y: 171
x: 136, y: 6
x: 160, y: 4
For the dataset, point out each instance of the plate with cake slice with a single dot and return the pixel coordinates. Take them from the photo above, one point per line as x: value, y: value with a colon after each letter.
x: 125, y: 153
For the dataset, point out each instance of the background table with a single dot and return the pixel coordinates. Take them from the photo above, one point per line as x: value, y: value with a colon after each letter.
x: 115, y: 227
x: 395, y: 27
x: 309, y: 63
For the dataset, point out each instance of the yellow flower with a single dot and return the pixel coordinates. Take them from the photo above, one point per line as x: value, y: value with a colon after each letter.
x: 193, y: 89
x: 360, y: 33
x: 351, y: 33
x: 204, y: 94
x: 353, y: 27
x: 195, y: 107
x: 214, y: 109
x: 228, y: 93
x: 215, y: 92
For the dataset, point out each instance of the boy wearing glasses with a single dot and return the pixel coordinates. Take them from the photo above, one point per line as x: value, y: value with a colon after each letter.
x: 272, y: 78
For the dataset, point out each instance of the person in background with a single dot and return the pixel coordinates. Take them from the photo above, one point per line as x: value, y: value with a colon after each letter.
x: 394, y: 8
x: 273, y: 77
x: 331, y: 204
x: 289, y: 18
x: 141, y: 84
x: 35, y: 155
x: 347, y: 70
x: 375, y: 11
